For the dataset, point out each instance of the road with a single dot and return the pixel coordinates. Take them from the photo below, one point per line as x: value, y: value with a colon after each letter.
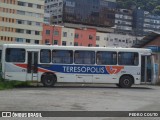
x: 82, y: 98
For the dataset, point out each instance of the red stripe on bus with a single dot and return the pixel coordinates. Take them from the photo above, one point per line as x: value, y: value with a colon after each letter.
x: 39, y: 69
x: 21, y: 65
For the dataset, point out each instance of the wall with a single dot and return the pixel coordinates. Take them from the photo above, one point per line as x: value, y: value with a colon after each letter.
x: 69, y: 38
x: 86, y: 37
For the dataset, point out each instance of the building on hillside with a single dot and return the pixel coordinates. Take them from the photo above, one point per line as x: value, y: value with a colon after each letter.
x: 151, y: 23
x: 144, y: 22
x: 87, y: 12
x: 21, y: 21
x: 60, y: 35
x: 138, y: 22
x: 123, y: 21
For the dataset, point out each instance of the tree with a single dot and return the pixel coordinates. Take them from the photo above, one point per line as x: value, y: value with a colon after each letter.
x: 147, y: 5
x: 157, y: 10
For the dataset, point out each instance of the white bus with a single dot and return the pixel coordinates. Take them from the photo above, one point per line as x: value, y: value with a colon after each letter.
x: 50, y: 64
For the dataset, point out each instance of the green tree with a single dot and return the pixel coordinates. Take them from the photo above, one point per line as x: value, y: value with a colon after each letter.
x: 157, y: 10
x: 151, y: 6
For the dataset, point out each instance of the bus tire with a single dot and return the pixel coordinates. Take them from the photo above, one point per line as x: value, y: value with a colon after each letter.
x: 126, y: 81
x: 49, y: 80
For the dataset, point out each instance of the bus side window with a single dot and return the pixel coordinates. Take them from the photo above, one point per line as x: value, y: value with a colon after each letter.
x: 45, y: 56
x: 62, y: 56
x: 84, y: 57
x: 128, y: 58
x: 106, y: 58
x: 15, y: 55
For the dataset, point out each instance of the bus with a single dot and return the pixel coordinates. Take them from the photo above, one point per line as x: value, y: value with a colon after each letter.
x: 76, y: 64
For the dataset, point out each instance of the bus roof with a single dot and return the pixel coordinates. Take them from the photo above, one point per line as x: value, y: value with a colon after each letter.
x: 28, y: 46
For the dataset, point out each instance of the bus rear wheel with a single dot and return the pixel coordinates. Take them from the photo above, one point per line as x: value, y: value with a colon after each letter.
x: 49, y: 80
x: 126, y: 82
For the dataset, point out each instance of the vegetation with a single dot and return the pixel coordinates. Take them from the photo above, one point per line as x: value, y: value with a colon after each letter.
x: 12, y: 84
x: 152, y: 6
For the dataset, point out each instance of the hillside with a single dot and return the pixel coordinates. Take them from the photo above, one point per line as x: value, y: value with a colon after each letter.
x: 152, y: 6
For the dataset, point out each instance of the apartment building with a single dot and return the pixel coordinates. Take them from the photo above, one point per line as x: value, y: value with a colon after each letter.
x: 47, y: 18
x: 144, y: 22
x: 123, y: 21
x: 151, y: 23
x: 114, y: 40
x: 60, y: 35
x: 87, y: 12
x: 21, y: 21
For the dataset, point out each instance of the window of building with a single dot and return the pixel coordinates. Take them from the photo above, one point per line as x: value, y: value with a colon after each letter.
x: 84, y: 57
x: 20, y: 21
x: 15, y: 55
x: 37, y: 32
x: 28, y: 31
x: 64, y: 43
x: 90, y: 45
x: 47, y: 32
x: 90, y: 37
x: 46, y: 41
x: 36, y: 41
x: 20, y: 12
x: 62, y: 56
x: 29, y: 23
x: 30, y: 5
x: 12, y: 20
x: 38, y: 23
x: 19, y: 40
x: 55, y: 42
x: 56, y: 32
x: 128, y: 58
x: 111, y: 40
x: 19, y: 30
x: 76, y: 35
x: 21, y: 3
x: 97, y: 38
x: 28, y: 40
x: 64, y: 34
x: 39, y: 6
x: 1, y: 37
x: 59, y: 16
x: 45, y: 56
x: 106, y: 58
x: 75, y: 43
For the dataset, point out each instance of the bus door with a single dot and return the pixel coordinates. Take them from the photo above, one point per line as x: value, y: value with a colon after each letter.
x: 32, y: 66
x: 146, y: 69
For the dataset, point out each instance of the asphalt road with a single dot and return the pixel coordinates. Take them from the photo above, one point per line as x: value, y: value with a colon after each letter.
x: 82, y: 98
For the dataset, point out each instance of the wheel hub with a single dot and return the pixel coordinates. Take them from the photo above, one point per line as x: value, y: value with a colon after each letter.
x: 126, y: 82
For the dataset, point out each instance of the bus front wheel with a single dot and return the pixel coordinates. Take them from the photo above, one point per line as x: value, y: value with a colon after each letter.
x: 49, y: 80
x: 126, y: 81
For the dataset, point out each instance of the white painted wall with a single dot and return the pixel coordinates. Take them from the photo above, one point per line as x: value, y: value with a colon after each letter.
x: 70, y: 36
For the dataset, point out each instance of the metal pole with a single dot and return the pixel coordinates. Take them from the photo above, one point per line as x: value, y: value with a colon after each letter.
x: 145, y: 70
